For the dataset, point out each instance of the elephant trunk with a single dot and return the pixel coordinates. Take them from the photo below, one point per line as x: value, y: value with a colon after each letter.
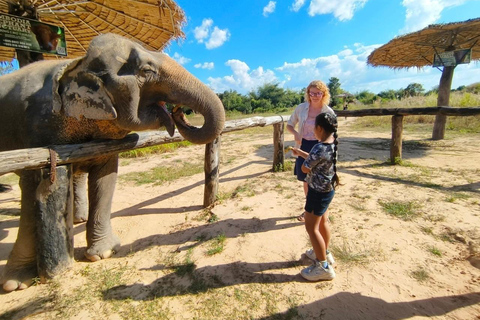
x: 185, y: 89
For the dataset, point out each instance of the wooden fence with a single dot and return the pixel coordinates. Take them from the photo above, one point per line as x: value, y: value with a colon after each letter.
x: 36, y: 158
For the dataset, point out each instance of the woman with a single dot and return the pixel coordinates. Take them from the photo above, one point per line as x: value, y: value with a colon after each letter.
x: 317, y: 98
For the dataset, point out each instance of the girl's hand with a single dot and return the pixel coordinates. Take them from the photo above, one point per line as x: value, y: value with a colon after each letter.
x: 295, y: 151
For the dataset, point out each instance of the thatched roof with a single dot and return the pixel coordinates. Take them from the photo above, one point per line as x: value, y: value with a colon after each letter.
x: 417, y: 49
x: 153, y: 23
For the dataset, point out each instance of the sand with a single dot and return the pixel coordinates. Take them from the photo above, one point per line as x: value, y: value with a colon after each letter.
x: 387, y: 267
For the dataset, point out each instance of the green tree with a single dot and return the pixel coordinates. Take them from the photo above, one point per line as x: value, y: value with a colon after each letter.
x: 414, y: 89
x: 366, y: 97
x: 289, y: 99
x: 234, y: 101
x: 271, y: 92
x: 388, y: 95
x: 334, y: 88
x: 261, y: 105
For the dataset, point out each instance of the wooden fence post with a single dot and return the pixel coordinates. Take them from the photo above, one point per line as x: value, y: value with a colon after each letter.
x: 396, y: 143
x: 54, y: 220
x: 278, y: 147
x: 212, y: 172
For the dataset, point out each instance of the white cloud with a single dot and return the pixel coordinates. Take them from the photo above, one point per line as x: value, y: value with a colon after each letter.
x: 341, y: 9
x: 421, y: 13
x: 242, y: 79
x: 205, y: 65
x: 202, y: 32
x: 181, y: 59
x: 349, y: 66
x: 297, y: 5
x: 269, y: 8
x: 217, y: 38
x: 212, y: 39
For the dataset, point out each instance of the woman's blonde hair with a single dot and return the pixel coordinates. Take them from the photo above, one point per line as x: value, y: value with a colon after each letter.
x: 320, y: 86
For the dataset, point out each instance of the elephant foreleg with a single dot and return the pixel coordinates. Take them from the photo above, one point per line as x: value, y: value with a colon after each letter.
x: 21, y: 266
x: 101, y: 242
x: 44, y: 245
x: 80, y: 213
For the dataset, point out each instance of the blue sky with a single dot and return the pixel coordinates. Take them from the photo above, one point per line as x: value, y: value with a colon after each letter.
x: 241, y: 45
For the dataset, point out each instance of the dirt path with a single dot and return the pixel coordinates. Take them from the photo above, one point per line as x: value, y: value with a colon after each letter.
x: 389, y: 266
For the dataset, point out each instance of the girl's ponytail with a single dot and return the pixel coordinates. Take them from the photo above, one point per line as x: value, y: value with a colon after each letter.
x: 335, y: 179
x: 328, y: 122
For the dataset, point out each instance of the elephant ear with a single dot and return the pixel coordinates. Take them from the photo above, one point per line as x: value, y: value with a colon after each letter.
x: 82, y: 94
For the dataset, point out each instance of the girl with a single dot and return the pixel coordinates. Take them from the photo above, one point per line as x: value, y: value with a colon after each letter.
x: 322, y: 178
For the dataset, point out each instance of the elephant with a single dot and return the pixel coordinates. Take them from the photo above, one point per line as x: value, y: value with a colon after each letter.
x: 116, y: 88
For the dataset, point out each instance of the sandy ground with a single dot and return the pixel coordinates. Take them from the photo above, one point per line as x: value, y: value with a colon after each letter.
x: 387, y: 268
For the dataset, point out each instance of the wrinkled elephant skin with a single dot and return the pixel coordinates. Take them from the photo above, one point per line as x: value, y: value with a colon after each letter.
x: 116, y: 88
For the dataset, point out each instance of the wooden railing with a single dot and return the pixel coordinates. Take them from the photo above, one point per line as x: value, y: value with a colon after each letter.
x: 36, y: 158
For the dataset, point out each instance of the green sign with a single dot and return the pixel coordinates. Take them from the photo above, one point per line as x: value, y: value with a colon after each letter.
x: 31, y: 35
x: 452, y: 58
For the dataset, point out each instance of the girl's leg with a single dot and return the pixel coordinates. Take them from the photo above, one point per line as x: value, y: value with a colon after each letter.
x: 325, y: 229
x: 305, y: 190
x: 312, y: 225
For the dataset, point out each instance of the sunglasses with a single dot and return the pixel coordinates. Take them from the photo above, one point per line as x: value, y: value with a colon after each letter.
x: 315, y: 94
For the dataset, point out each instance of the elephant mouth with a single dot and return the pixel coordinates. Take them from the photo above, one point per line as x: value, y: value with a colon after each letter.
x: 166, y: 118
x: 176, y: 117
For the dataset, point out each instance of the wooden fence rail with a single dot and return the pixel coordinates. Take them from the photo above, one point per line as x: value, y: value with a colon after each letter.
x: 36, y: 158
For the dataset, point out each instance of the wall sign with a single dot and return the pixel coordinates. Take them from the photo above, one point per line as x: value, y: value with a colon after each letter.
x: 452, y: 58
x: 31, y: 35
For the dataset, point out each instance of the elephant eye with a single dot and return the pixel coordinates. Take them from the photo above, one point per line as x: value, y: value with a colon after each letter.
x: 148, y: 70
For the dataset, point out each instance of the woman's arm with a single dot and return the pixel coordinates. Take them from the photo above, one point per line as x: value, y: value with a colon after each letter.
x: 296, y: 135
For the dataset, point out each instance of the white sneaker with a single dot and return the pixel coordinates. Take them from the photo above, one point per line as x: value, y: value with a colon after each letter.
x: 316, y: 272
x: 311, y: 255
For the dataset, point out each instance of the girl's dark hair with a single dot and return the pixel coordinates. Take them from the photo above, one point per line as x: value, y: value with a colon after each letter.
x: 328, y: 122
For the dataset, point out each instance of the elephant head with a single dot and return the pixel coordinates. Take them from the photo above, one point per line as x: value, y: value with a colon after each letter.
x: 120, y: 81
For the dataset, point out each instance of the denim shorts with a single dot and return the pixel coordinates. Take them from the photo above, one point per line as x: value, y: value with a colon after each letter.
x: 306, y: 146
x: 318, y: 202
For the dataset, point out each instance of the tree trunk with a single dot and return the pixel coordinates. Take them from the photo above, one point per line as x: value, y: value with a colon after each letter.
x: 443, y: 101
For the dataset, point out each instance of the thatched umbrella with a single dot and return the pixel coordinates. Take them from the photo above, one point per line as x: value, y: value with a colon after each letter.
x: 153, y: 23
x: 418, y: 49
